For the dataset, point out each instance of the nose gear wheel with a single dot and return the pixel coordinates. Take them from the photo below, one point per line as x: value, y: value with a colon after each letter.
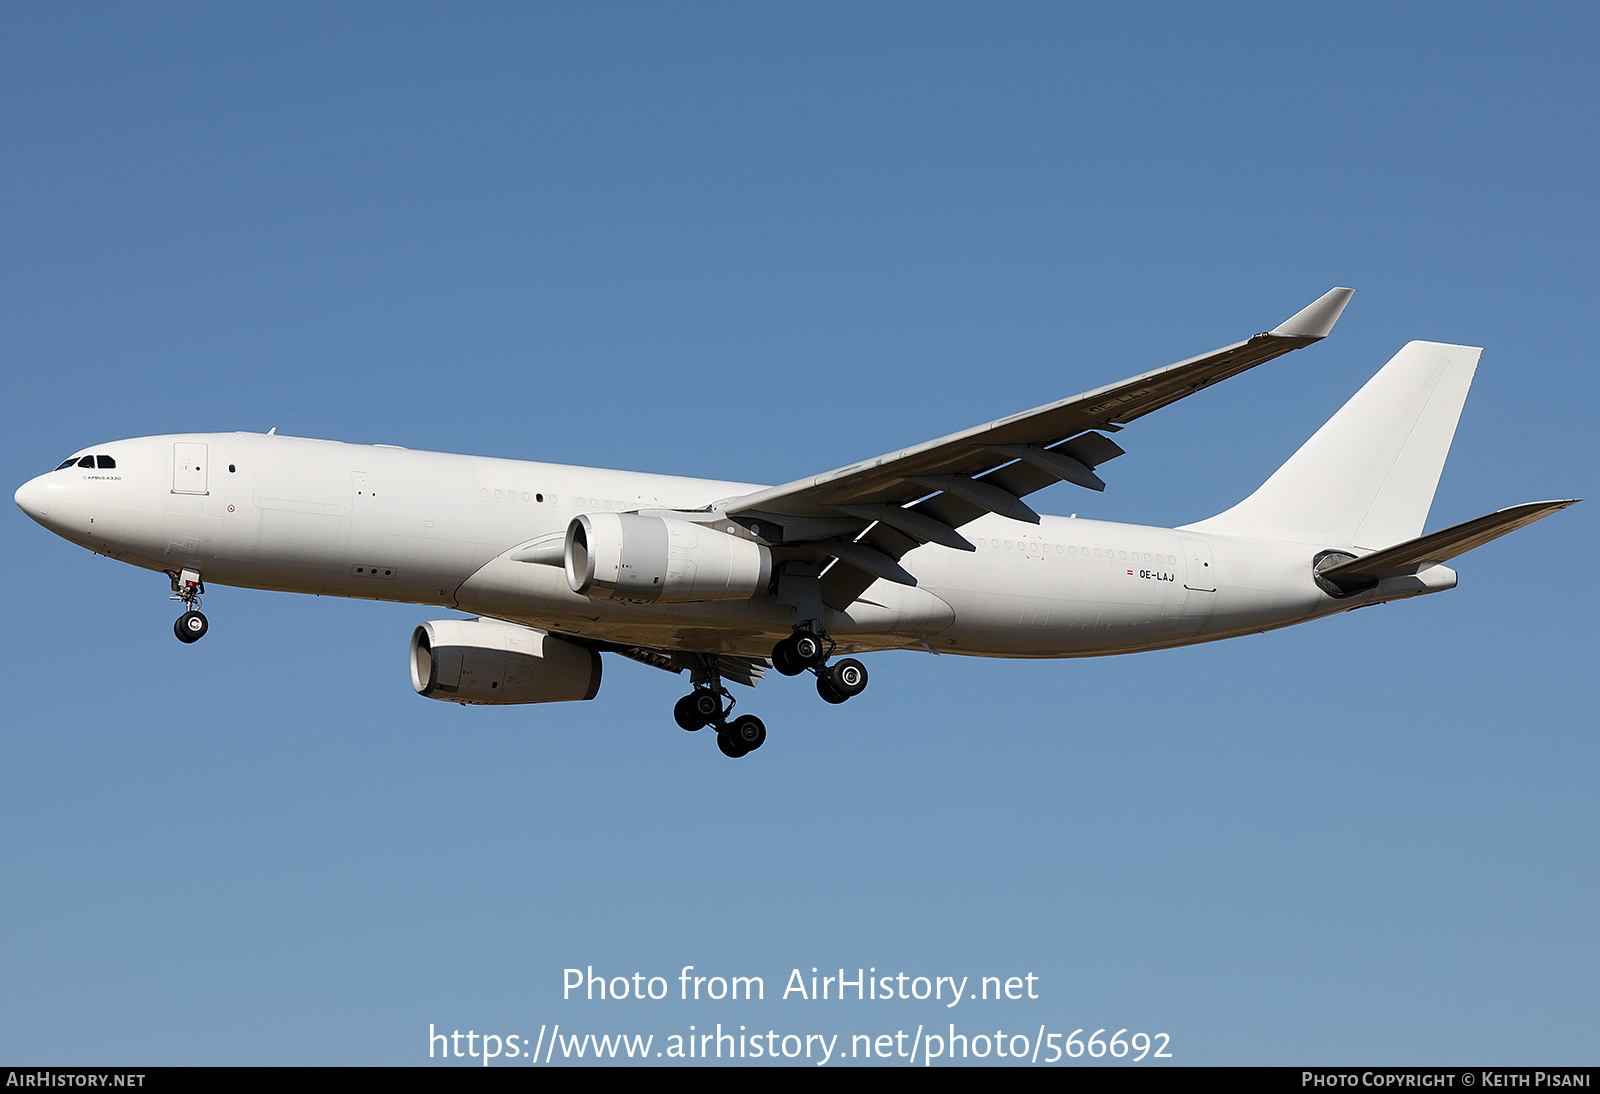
x: 190, y: 627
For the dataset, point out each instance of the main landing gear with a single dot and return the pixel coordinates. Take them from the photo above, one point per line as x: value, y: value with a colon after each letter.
x: 808, y: 650
x: 709, y: 705
x: 187, y: 587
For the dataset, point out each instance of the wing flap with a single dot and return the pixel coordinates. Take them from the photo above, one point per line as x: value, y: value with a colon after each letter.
x: 920, y: 527
x: 741, y: 670
x: 868, y: 559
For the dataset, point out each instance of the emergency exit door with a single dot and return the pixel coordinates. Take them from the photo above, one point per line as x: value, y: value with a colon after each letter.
x: 189, y: 465
x: 1199, y: 575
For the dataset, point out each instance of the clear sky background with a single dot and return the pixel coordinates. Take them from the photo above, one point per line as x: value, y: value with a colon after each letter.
x: 757, y: 242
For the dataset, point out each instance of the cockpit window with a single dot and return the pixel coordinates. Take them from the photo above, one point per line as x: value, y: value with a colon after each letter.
x: 105, y: 462
x: 67, y: 463
x: 87, y: 461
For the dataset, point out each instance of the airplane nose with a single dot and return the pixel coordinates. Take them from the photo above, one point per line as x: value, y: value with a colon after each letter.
x: 34, y: 499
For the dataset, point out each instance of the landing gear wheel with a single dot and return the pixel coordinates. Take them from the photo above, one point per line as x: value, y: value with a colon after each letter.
x: 807, y: 649
x: 707, y: 704
x: 730, y: 748
x: 686, y: 716
x: 698, y: 709
x: 848, y: 677
x: 190, y: 627
x: 784, y: 660
x: 747, y: 732
x: 826, y: 690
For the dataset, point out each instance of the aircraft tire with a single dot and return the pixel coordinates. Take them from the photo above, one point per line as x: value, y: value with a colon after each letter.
x: 685, y: 714
x: 784, y: 660
x: 807, y: 650
x: 708, y: 704
x: 848, y: 677
x: 191, y: 626
x: 826, y: 689
x: 730, y: 748
x: 748, y: 732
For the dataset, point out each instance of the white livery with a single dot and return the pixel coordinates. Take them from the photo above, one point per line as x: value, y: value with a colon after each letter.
x: 931, y: 547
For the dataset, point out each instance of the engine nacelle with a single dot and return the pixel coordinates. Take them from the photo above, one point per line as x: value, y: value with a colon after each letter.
x: 625, y: 556
x: 489, y: 662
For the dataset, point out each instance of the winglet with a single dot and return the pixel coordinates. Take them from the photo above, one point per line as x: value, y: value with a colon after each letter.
x: 1316, y: 319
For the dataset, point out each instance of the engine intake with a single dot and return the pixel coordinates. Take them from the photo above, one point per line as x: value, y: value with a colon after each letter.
x: 625, y: 556
x: 487, y: 662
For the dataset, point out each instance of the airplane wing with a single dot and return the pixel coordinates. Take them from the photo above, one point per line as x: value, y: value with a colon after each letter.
x: 924, y: 493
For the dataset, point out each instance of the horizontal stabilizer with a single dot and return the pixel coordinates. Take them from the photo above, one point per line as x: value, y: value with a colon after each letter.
x: 1416, y: 555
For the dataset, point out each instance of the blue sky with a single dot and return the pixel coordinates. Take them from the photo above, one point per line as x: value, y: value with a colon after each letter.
x: 755, y: 243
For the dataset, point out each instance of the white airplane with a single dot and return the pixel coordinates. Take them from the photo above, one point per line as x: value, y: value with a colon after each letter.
x: 930, y: 547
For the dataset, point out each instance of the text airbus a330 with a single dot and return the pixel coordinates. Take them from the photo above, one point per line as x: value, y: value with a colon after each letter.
x: 930, y: 547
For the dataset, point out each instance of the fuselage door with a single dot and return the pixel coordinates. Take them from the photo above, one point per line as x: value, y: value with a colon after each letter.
x: 189, y: 468
x: 1199, y: 574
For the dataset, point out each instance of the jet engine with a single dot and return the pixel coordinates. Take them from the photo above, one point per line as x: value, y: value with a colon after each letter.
x: 625, y: 556
x: 485, y: 661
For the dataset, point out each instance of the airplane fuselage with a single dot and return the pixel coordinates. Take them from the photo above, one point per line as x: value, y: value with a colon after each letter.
x: 385, y: 523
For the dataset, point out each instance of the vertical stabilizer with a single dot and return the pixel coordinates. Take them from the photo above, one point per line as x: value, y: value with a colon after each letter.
x: 1367, y: 477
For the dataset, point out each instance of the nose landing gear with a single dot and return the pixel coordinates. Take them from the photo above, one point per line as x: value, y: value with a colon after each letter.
x: 187, y: 587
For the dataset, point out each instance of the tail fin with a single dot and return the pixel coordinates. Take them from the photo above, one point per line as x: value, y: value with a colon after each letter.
x: 1366, y: 478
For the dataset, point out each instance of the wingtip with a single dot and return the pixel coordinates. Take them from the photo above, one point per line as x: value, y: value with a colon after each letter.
x: 1316, y: 319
